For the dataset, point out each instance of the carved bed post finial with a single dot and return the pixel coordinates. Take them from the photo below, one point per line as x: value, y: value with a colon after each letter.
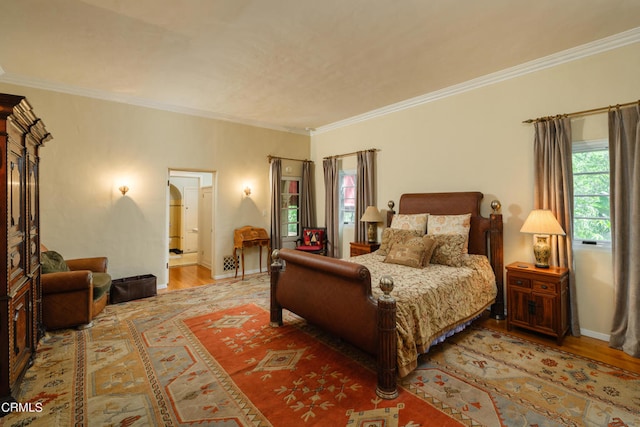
x: 390, y: 212
x: 276, y: 309
x: 387, y: 350
x: 496, y: 205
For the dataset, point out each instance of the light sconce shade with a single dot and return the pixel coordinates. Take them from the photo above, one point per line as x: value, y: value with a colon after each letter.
x: 371, y: 217
x: 123, y: 189
x: 542, y: 223
x: 247, y: 191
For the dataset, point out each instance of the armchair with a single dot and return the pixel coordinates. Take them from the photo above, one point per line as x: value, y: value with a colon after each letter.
x: 314, y: 240
x: 73, y: 291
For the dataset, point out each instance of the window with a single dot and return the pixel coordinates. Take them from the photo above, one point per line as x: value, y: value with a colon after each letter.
x: 591, y: 209
x: 347, y: 197
x: 290, y: 209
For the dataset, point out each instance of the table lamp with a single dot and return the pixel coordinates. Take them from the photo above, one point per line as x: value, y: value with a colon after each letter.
x: 371, y: 217
x: 542, y: 224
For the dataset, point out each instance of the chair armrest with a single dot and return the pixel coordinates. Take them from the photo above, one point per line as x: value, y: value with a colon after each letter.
x: 97, y: 264
x: 66, y: 281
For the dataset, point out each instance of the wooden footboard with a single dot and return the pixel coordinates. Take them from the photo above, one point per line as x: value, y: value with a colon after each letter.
x: 336, y: 296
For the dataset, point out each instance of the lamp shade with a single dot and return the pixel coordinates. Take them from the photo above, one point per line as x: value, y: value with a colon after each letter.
x: 542, y: 221
x: 372, y: 214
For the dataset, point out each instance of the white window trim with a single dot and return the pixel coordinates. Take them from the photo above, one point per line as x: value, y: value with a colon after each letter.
x: 582, y: 147
x: 343, y: 173
x: 293, y: 238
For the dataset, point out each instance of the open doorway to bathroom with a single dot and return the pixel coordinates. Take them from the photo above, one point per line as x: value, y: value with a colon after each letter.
x: 190, y: 199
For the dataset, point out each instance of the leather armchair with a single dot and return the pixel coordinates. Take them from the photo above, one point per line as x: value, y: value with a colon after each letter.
x: 73, y: 298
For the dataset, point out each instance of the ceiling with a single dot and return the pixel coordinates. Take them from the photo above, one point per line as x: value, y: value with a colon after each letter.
x: 287, y: 64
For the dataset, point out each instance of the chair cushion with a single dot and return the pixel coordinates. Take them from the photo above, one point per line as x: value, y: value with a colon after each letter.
x: 101, y: 284
x: 313, y: 237
x: 52, y: 262
x: 310, y: 248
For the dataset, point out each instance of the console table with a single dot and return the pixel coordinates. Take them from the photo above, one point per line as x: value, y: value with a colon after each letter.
x: 246, y: 237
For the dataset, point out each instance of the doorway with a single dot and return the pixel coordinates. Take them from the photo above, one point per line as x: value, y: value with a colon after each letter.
x: 190, y: 199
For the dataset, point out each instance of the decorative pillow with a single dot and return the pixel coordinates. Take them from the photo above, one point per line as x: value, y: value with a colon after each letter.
x: 313, y: 237
x: 406, y: 254
x: 450, y: 224
x: 52, y: 262
x: 410, y: 222
x: 425, y: 243
x: 449, y: 249
x: 392, y: 235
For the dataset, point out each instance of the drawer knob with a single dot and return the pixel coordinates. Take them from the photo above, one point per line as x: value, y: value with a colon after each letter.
x: 544, y: 286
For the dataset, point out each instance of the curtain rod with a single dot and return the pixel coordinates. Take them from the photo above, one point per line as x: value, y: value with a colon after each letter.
x: 270, y: 157
x: 339, y: 156
x: 584, y: 113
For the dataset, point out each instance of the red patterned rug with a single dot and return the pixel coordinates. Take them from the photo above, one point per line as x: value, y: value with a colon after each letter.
x: 294, y: 379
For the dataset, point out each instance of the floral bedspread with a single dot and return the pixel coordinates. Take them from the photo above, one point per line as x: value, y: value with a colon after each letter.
x: 431, y: 301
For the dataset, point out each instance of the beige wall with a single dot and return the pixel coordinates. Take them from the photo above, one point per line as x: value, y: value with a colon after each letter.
x: 477, y: 141
x: 98, y: 143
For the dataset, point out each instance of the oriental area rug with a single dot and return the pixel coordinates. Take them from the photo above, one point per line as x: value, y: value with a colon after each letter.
x: 207, y: 357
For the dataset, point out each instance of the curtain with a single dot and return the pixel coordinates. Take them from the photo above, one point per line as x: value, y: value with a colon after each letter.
x: 624, y: 158
x: 332, y: 205
x: 553, y: 190
x: 365, y: 194
x: 276, y: 203
x: 307, y: 216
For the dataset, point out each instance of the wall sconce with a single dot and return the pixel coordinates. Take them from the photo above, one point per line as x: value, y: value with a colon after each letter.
x: 123, y: 189
x: 247, y: 191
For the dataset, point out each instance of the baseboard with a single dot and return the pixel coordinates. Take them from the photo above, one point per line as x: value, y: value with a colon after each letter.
x: 232, y: 274
x: 597, y: 335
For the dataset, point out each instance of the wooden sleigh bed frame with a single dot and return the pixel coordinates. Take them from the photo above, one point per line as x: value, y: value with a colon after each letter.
x: 336, y: 294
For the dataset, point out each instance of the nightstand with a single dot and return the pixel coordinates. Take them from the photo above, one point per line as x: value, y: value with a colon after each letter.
x: 361, y: 248
x: 538, y: 299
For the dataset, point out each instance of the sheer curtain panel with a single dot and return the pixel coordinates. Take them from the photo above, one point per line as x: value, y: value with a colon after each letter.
x: 624, y: 158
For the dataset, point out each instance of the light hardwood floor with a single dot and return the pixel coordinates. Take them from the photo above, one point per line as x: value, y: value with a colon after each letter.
x: 194, y: 275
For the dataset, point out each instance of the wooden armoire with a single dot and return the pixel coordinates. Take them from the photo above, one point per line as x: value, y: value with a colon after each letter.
x: 22, y: 134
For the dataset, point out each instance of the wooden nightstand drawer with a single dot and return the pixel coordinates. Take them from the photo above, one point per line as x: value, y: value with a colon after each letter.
x: 519, y: 281
x: 545, y: 287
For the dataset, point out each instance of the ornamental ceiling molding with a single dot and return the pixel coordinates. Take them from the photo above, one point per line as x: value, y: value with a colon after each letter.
x: 579, y: 52
x: 20, y: 80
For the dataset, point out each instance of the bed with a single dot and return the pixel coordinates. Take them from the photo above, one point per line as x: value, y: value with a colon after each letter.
x: 407, y: 313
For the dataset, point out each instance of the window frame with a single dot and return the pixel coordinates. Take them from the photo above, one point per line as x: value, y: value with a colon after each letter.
x: 342, y: 175
x: 583, y: 147
x: 284, y: 222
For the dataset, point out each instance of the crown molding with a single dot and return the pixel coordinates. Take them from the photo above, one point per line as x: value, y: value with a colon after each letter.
x: 583, y: 51
x: 20, y: 80
x: 579, y: 52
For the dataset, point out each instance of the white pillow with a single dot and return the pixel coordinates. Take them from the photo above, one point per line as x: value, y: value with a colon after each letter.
x: 410, y: 222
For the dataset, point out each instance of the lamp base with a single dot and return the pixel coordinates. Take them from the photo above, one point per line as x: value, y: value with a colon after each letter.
x: 372, y: 232
x: 542, y: 251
